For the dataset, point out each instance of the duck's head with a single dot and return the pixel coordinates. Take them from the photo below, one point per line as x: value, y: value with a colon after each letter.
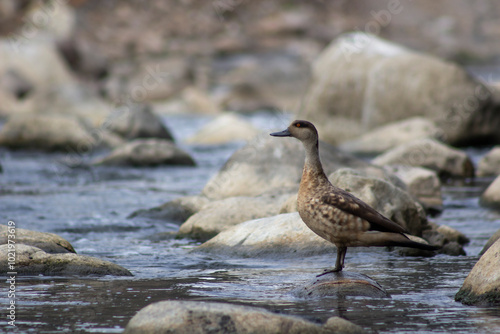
x: 302, y: 130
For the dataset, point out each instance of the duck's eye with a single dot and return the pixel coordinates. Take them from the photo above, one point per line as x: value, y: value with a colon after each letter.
x: 298, y: 125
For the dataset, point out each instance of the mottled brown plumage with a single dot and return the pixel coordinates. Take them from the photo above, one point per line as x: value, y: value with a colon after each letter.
x: 333, y: 213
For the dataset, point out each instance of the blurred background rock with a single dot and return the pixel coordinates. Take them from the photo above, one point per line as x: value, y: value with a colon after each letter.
x: 238, y: 55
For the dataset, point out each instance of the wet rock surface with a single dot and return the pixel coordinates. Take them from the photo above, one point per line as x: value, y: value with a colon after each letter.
x: 48, y: 242
x: 34, y: 261
x: 482, y: 285
x: 341, y: 285
x: 204, y: 317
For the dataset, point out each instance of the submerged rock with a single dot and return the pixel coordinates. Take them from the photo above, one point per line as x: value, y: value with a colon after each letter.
x: 431, y: 154
x: 146, y: 152
x: 491, y: 196
x: 341, y: 284
x: 213, y: 317
x: 482, y: 285
x: 48, y: 242
x: 489, y: 165
x: 218, y: 216
x: 391, y: 135
x: 360, y: 82
x: 224, y: 129
x: 266, y: 164
x: 34, y: 261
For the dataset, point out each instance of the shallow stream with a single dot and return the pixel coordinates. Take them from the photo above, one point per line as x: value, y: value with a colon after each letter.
x: 89, y: 207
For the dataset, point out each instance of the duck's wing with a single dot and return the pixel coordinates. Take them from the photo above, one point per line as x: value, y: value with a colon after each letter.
x: 349, y: 203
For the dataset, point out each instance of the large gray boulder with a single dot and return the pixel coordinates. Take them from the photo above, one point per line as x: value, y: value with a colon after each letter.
x: 54, y: 132
x: 482, y: 285
x: 491, y: 196
x: 48, y: 242
x: 283, y: 235
x: 341, y: 284
x: 431, y: 154
x: 391, y: 135
x: 146, y: 152
x: 174, y: 316
x: 269, y: 164
x: 220, y: 215
x: 360, y: 82
x: 489, y: 165
x: 34, y: 261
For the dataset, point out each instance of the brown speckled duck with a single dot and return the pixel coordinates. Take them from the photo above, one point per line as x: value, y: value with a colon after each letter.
x: 333, y: 213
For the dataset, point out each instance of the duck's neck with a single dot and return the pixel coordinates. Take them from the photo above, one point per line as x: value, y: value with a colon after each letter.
x: 313, y: 164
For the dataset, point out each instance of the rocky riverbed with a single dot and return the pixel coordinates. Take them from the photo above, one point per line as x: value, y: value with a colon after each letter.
x: 89, y: 206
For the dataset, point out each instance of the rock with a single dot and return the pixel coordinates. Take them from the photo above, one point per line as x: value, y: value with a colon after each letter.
x: 482, y: 285
x: 34, y: 261
x: 176, y: 316
x: 490, y: 242
x: 489, y: 165
x: 341, y: 284
x: 199, y: 101
x: 283, y: 235
x: 431, y: 154
x: 422, y: 183
x: 176, y: 211
x: 342, y: 326
x: 220, y: 215
x: 391, y: 135
x: 53, y: 132
x: 391, y: 201
x: 48, y: 242
x: 137, y: 121
x: 266, y: 164
x: 450, y: 240
x: 491, y: 196
x: 225, y: 128
x: 360, y: 82
x: 146, y: 152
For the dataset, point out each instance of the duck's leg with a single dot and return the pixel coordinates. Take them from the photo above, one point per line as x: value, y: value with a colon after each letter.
x: 339, y: 263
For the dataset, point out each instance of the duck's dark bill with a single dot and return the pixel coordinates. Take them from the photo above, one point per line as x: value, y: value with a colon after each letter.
x: 284, y: 133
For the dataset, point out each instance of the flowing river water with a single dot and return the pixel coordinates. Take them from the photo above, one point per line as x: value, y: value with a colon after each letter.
x: 89, y: 207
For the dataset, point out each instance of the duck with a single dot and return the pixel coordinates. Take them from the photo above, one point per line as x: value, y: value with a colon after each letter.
x: 335, y: 214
